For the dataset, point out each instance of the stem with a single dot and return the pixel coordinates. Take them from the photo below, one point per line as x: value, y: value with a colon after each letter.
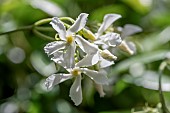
x: 43, y: 21
x: 162, y: 100
x: 43, y: 36
x: 19, y: 29
x: 67, y: 18
x: 45, y: 29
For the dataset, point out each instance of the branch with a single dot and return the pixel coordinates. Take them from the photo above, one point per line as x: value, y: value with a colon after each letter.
x: 19, y: 29
x: 162, y: 100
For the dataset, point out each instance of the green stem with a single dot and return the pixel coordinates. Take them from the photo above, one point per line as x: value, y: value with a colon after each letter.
x: 67, y: 19
x: 43, y: 36
x: 45, y: 29
x: 43, y: 21
x: 162, y: 100
x: 19, y: 29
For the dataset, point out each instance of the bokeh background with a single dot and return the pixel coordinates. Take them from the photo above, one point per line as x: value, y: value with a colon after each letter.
x: 133, y: 79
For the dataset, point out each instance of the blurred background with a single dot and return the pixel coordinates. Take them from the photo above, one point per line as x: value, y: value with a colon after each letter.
x: 133, y: 79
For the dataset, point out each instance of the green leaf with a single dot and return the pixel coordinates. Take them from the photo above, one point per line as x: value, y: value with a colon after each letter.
x: 144, y: 58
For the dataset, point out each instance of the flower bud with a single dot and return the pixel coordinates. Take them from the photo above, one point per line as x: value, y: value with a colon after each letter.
x: 107, y: 55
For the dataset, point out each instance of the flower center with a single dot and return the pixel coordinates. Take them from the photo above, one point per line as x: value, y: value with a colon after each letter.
x: 70, y: 39
x: 76, y: 72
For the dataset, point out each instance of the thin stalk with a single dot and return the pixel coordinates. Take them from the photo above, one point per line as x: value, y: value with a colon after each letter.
x: 19, y: 29
x: 67, y: 19
x: 43, y: 36
x: 44, y: 29
x: 161, y: 96
x: 43, y: 21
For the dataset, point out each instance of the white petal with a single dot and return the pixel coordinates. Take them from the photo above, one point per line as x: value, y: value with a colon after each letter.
x: 69, y: 56
x: 53, y: 47
x: 99, y: 42
x: 105, y: 63
x: 107, y: 21
x: 130, y: 29
x: 86, y: 46
x: 99, y: 88
x: 79, y: 24
x: 76, y: 91
x: 112, y: 39
x: 55, y: 79
x: 98, y: 76
x: 58, y: 58
x: 88, y: 60
x: 59, y: 27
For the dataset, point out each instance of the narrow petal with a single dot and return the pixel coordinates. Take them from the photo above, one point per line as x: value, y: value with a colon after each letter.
x: 79, y: 24
x: 105, y: 63
x: 88, y: 60
x: 55, y: 79
x: 69, y: 56
x: 76, y: 91
x: 107, y: 21
x: 52, y: 47
x: 86, y: 46
x: 59, y: 27
x: 99, y: 77
x: 130, y: 29
x: 99, y: 88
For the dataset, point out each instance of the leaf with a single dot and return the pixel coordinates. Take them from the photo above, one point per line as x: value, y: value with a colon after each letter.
x: 144, y: 58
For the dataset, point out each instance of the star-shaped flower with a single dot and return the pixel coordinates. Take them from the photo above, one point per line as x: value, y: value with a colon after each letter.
x: 64, y: 50
x: 111, y: 38
x: 99, y: 77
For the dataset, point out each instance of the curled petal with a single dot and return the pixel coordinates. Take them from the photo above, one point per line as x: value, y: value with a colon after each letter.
x: 111, y: 39
x: 107, y: 21
x: 130, y: 29
x: 55, y: 79
x: 53, y: 47
x: 86, y: 46
x: 88, y: 60
x: 99, y: 77
x: 59, y: 27
x: 76, y: 91
x: 79, y: 24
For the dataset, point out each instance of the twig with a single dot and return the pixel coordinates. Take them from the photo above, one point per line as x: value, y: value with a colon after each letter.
x: 19, y: 29
x: 162, y: 100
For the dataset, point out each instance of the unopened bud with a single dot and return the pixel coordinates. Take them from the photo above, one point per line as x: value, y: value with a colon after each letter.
x: 107, y: 55
x: 123, y: 46
x: 88, y: 34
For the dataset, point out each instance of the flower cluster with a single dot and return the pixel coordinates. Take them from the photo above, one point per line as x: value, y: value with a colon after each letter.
x: 82, y: 52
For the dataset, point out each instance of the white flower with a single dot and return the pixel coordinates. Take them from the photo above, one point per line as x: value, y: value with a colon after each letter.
x: 94, y: 55
x: 126, y: 31
x: 99, y: 77
x: 64, y: 50
x: 109, y: 39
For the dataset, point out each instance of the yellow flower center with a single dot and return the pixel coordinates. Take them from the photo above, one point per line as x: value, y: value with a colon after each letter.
x: 70, y: 39
x: 76, y: 72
